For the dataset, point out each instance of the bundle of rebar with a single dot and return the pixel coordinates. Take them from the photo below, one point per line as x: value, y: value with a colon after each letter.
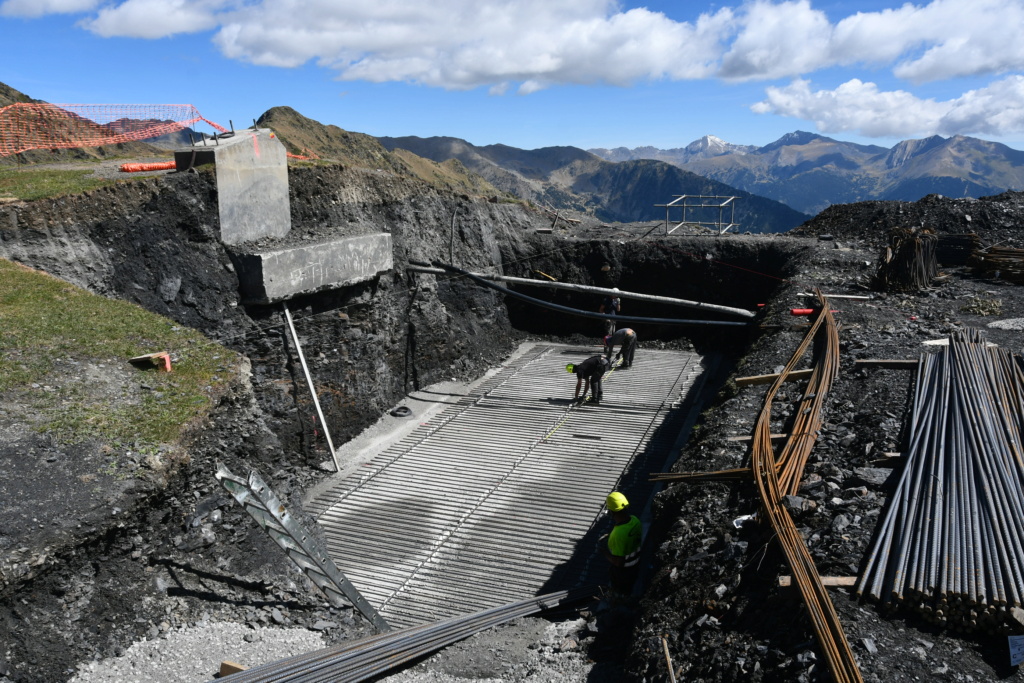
x: 1006, y: 262
x: 909, y: 263
x: 778, y: 476
x: 366, y: 658
x: 951, y: 544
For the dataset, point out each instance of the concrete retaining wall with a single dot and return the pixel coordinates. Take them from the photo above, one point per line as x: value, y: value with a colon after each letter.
x: 271, y: 276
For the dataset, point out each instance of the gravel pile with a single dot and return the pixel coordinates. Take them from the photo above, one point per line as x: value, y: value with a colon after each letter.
x: 194, y: 655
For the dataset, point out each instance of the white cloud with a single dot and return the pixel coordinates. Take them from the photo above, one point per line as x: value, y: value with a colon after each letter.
x: 996, y: 110
x: 778, y: 40
x: 941, y: 40
x: 523, y: 46
x: 462, y: 44
x: 39, y: 8
x: 937, y: 41
x: 154, y: 18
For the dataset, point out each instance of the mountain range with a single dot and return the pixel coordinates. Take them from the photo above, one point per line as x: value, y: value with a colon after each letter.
x: 810, y: 172
x: 778, y: 185
x: 572, y: 178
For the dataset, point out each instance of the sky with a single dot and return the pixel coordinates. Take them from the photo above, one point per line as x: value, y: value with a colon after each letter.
x: 540, y: 73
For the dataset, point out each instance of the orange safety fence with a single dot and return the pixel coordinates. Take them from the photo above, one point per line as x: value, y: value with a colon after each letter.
x: 37, y: 125
x: 307, y: 154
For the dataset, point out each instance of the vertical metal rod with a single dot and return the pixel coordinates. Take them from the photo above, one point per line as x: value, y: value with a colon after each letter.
x: 312, y: 389
x: 232, y: 124
x: 451, y: 240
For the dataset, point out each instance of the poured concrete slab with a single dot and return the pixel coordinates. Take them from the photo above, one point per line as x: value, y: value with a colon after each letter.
x: 278, y: 275
x: 497, y: 493
x: 252, y: 184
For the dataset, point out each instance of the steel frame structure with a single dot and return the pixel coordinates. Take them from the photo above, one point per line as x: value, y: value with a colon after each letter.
x: 720, y: 202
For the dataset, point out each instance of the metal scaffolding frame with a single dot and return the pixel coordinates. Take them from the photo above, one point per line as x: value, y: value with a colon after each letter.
x: 682, y: 202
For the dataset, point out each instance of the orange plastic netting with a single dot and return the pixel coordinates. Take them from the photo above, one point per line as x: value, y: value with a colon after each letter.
x: 25, y: 125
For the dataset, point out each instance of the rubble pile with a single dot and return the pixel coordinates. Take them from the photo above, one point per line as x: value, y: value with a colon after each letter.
x: 716, y: 594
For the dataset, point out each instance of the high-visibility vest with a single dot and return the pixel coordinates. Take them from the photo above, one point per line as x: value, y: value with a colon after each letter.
x: 624, y: 541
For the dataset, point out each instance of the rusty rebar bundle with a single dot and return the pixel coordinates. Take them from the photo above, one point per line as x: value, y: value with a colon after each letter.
x: 778, y: 476
x: 1006, y: 263
x: 908, y: 263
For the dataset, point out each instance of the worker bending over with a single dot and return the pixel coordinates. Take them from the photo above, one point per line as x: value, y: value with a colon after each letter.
x: 588, y: 375
x: 625, y: 338
x: 621, y: 547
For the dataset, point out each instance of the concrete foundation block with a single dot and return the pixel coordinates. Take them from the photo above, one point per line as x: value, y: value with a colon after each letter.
x: 280, y: 274
x: 252, y: 184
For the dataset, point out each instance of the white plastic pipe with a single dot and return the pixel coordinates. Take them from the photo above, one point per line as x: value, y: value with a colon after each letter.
x: 597, y: 290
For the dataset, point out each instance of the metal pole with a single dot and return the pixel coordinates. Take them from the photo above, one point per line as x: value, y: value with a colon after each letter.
x: 451, y: 240
x: 312, y: 389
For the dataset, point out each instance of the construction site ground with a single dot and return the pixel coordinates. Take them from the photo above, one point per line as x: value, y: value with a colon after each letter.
x: 187, y: 571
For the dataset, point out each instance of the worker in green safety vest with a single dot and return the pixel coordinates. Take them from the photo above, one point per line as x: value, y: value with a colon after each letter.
x: 621, y: 547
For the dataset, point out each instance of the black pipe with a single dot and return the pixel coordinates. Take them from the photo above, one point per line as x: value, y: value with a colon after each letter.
x: 578, y: 312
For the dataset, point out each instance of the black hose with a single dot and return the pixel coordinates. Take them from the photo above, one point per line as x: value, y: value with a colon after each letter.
x: 578, y: 312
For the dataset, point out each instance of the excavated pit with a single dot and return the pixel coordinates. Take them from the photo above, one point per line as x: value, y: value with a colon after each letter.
x: 179, y: 553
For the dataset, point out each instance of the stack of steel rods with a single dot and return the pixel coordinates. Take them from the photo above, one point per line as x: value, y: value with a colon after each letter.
x: 363, y: 659
x: 951, y: 544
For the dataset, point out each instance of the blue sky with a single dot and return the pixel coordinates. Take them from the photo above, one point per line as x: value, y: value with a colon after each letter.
x: 537, y: 73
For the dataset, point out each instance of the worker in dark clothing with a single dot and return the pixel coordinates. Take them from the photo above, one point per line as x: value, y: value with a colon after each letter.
x: 611, y: 305
x: 621, y: 547
x: 588, y: 375
x: 625, y: 338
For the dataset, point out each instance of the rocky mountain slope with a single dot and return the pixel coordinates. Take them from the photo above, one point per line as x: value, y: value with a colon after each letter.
x: 703, y: 148
x: 570, y: 178
x: 331, y: 144
x: 810, y: 172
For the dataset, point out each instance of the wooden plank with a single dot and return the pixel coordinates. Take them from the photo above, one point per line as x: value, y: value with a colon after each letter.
x: 891, y: 363
x: 852, y: 297
x: 768, y: 379
x: 227, y: 667
x: 750, y: 438
x: 786, y: 581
